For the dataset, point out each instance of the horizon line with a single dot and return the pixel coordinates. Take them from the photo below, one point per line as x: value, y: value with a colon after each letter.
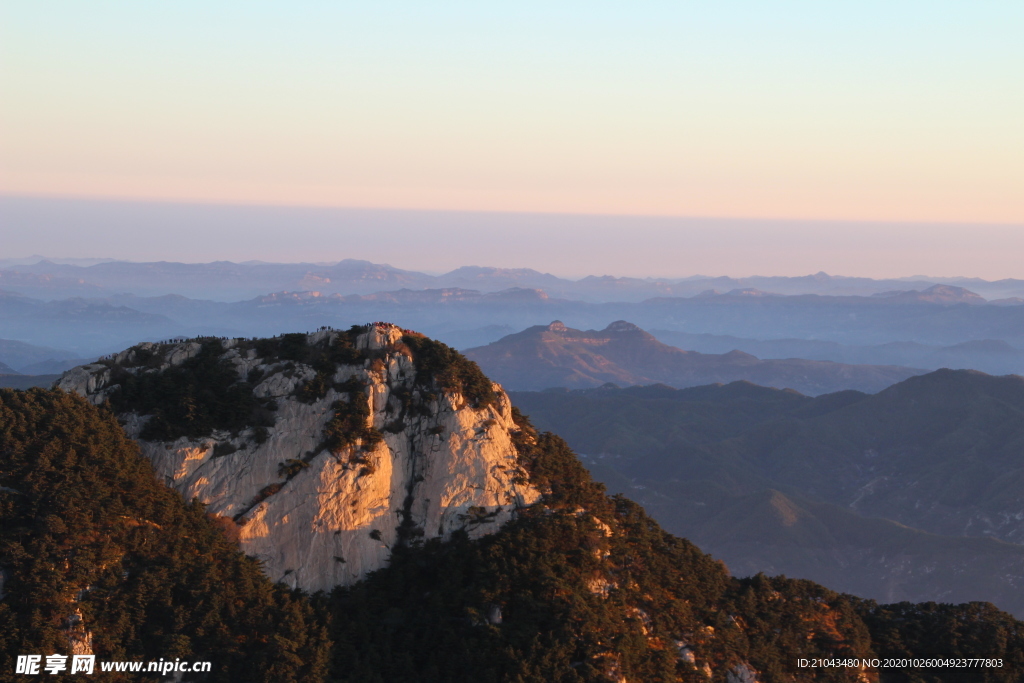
x: 328, y: 264
x: 502, y: 212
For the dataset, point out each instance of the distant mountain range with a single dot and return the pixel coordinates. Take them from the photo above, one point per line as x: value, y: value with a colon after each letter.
x: 90, y: 310
x: 993, y: 356
x: 80, y: 327
x: 16, y: 381
x: 826, y: 325
x: 227, y: 281
x: 554, y: 355
x: 914, y: 493
x: 34, y: 360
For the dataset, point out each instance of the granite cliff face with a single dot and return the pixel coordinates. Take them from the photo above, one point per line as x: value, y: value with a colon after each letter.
x: 350, y: 446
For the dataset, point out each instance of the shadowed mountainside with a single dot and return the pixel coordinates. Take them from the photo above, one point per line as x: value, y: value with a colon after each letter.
x: 910, y: 494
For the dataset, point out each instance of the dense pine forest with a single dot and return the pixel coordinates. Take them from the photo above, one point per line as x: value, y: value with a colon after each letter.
x: 92, y: 543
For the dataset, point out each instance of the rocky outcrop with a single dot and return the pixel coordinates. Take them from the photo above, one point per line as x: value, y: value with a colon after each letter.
x: 318, y: 505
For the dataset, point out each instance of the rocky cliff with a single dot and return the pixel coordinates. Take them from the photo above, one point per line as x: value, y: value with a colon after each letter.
x: 320, y: 453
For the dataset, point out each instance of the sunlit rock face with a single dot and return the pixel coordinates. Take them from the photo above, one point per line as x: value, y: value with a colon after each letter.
x: 318, y: 513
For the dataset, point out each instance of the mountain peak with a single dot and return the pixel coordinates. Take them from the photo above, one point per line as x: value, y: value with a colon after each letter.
x: 324, y: 451
x: 937, y: 294
x: 555, y: 355
x: 622, y: 326
x: 952, y: 293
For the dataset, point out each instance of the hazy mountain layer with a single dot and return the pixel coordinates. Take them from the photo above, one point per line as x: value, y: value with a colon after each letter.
x: 225, y: 281
x: 940, y: 316
x: 35, y: 360
x: 78, y: 325
x: 27, y: 381
x: 993, y: 356
x: 468, y: 317
x: 557, y: 356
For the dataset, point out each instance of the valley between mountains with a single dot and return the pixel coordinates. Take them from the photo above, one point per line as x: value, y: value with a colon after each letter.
x: 366, y: 505
x: 913, y: 493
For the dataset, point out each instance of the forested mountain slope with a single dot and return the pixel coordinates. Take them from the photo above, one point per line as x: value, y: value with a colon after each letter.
x: 573, y: 585
x: 98, y: 557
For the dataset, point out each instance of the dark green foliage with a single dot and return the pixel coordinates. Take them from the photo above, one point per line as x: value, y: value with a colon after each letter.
x: 292, y: 346
x: 439, y: 365
x: 315, y: 389
x: 192, y: 399
x: 975, y: 629
x: 204, y: 393
x: 81, y: 514
x: 224, y: 448
x: 768, y: 608
x: 291, y: 467
x: 351, y: 421
x: 266, y: 492
x: 260, y: 434
x: 323, y: 357
x: 574, y: 602
x: 555, y: 468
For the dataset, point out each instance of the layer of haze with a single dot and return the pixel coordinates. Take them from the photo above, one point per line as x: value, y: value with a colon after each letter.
x: 891, y: 111
x: 566, y: 245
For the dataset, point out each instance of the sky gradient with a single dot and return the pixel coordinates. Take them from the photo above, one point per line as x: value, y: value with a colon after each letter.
x: 892, y: 111
x: 869, y: 138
